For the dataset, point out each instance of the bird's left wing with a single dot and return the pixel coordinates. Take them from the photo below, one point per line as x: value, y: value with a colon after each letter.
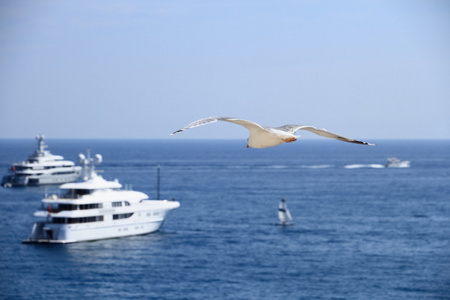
x: 322, y: 132
x: 251, y: 126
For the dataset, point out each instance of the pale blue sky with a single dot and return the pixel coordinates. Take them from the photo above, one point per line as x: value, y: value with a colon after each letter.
x: 141, y: 69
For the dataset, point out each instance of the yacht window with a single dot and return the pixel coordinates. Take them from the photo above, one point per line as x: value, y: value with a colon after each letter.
x: 122, y: 216
x: 67, y: 207
x: 91, y: 206
x: 77, y: 193
x: 84, y: 220
x: 60, y: 220
x: 63, y: 173
x: 81, y: 192
x: 77, y: 220
x: 21, y: 168
x: 117, y: 204
x: 127, y: 203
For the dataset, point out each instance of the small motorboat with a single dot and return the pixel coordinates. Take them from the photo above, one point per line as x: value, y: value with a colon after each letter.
x: 394, y: 162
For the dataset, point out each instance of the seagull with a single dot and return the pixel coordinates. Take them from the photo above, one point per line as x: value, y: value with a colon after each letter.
x: 264, y: 136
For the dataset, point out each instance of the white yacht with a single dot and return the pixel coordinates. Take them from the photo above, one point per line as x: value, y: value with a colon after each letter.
x: 95, y: 209
x: 42, y: 167
x: 394, y: 162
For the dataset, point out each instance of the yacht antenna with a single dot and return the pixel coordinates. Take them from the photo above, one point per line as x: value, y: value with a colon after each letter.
x: 41, y: 145
x: 88, y: 164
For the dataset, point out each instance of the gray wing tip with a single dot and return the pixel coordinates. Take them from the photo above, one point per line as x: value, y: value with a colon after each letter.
x: 364, y: 143
x: 175, y: 132
x: 354, y: 141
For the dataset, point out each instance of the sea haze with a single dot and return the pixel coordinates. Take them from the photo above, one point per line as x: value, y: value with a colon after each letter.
x: 361, y: 231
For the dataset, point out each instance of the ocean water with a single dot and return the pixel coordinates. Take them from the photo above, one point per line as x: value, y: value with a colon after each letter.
x: 360, y: 231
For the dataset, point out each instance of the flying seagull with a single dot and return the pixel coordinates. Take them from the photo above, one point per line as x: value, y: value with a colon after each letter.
x: 264, y: 137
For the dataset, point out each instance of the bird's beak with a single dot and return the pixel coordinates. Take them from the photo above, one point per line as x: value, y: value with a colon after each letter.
x: 248, y: 146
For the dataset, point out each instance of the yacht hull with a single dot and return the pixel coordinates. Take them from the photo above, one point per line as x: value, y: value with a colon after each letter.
x: 45, y: 234
x: 32, y: 180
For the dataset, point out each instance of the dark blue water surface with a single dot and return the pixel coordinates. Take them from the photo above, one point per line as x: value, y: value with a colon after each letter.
x: 360, y: 233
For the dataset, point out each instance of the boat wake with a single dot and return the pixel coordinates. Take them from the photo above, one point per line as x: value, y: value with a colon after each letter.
x: 316, y: 166
x: 358, y: 166
x: 281, y: 166
x: 276, y: 167
x: 351, y: 166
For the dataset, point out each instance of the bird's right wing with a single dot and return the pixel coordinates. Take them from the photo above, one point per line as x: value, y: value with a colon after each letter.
x: 247, y: 124
x: 322, y: 132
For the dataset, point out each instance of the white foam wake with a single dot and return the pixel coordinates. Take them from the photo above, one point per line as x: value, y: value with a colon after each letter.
x: 316, y: 166
x: 357, y: 166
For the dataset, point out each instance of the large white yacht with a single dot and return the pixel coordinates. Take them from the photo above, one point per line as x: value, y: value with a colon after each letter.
x: 42, y: 167
x: 95, y: 209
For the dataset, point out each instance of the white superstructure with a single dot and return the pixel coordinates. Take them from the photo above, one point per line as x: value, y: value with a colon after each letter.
x: 42, y: 167
x: 95, y: 209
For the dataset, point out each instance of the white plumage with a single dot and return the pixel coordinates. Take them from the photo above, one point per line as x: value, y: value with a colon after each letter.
x: 264, y: 137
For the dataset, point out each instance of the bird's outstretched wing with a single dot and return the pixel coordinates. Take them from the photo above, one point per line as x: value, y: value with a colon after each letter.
x: 247, y: 124
x: 322, y: 132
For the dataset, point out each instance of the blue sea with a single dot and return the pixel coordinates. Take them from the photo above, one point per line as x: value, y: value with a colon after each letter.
x: 360, y: 231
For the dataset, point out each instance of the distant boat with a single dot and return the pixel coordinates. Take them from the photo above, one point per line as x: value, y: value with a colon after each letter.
x: 394, y: 162
x: 42, y: 167
x: 283, y: 213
